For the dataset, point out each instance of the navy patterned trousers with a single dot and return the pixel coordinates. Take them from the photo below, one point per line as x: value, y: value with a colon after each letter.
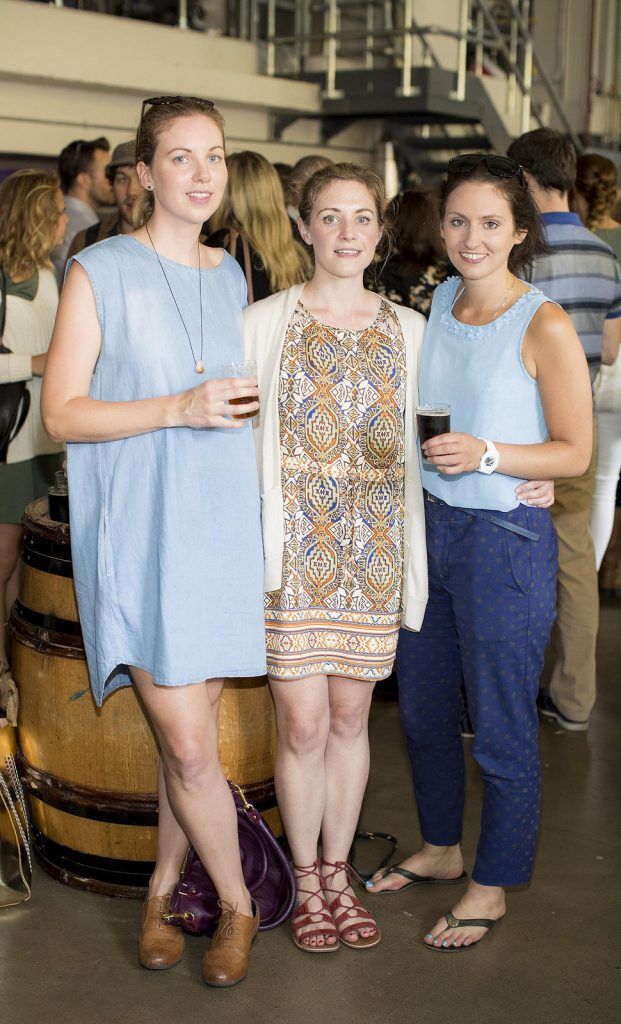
x: 492, y: 602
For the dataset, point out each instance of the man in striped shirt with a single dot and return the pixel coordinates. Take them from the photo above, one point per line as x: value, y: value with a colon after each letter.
x: 583, y: 276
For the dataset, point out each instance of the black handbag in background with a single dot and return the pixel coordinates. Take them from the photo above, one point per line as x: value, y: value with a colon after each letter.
x: 14, y: 397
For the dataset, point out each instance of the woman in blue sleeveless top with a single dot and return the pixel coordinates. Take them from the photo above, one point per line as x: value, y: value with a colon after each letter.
x: 165, y: 523
x: 511, y: 367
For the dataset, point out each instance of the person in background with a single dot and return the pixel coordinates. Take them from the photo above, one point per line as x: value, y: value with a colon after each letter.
x: 32, y: 222
x: 298, y: 176
x: 595, y: 195
x: 126, y: 188
x: 417, y: 263
x: 251, y: 223
x: 582, y: 274
x: 510, y: 366
x: 82, y: 171
x: 283, y: 171
x: 168, y: 575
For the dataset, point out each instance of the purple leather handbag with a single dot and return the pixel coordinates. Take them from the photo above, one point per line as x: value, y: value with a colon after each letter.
x: 268, y: 875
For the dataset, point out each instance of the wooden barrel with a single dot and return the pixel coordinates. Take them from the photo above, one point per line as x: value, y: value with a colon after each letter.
x: 91, y: 773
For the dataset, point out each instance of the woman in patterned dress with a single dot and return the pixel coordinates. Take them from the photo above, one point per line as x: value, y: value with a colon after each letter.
x: 343, y: 531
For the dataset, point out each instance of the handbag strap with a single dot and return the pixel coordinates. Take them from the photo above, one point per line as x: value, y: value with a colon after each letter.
x: 242, y: 796
x: 387, y: 837
x: 18, y: 832
x: 2, y: 302
x: 24, y: 409
x: 17, y: 803
x: 235, y: 234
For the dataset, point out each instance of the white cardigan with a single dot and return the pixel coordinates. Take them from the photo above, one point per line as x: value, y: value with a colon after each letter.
x: 28, y: 332
x: 265, y: 328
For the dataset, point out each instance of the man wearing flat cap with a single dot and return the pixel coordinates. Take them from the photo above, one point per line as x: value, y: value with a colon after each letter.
x: 121, y: 173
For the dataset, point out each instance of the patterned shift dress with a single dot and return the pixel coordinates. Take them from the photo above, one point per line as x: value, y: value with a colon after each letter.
x: 341, y: 404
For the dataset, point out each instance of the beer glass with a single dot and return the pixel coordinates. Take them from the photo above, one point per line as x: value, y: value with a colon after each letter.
x: 432, y: 420
x: 241, y: 368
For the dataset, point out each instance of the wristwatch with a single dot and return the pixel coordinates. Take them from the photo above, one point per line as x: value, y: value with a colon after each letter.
x: 490, y: 457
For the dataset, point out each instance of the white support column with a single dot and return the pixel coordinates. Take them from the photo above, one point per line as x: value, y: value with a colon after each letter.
x: 182, y: 20
x: 270, y: 54
x: 527, y: 71
x: 511, y: 77
x: 406, y: 88
x: 331, y: 25
x: 369, y: 43
x: 478, y: 53
x: 391, y: 173
x: 459, y: 93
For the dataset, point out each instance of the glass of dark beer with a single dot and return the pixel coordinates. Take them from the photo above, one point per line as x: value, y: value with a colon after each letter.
x: 432, y: 420
x: 242, y: 368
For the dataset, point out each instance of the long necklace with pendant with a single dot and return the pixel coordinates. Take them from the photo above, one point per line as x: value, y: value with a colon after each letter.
x: 199, y: 366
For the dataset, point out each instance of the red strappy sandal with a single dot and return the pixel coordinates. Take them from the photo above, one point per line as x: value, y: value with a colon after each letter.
x: 303, y: 917
x: 343, y: 914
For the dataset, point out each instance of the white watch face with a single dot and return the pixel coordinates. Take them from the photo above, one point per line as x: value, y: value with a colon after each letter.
x: 489, y: 459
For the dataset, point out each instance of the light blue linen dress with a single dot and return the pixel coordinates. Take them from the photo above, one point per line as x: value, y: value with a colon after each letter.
x: 165, y: 527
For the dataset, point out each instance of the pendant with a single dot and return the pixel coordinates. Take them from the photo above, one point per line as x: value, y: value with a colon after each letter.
x: 199, y: 366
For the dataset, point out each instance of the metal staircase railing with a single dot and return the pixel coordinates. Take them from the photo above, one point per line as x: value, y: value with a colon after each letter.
x: 317, y: 34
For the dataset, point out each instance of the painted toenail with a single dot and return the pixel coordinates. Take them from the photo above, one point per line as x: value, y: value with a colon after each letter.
x: 430, y: 936
x: 446, y: 943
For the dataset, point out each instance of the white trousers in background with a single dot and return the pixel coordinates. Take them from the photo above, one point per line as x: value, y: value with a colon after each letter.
x: 606, y: 480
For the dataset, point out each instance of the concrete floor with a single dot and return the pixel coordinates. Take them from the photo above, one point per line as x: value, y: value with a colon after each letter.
x: 71, y: 957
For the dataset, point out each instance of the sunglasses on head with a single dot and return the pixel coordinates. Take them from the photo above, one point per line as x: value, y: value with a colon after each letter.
x: 499, y: 166
x: 165, y: 101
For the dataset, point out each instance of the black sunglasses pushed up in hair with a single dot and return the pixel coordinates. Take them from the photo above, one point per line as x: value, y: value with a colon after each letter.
x: 499, y: 166
x: 164, y: 101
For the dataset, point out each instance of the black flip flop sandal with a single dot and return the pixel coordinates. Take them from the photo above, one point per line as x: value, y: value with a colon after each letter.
x: 414, y: 879
x: 471, y: 922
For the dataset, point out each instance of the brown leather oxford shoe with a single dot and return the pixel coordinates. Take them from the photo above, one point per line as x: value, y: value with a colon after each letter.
x: 161, y: 944
x: 226, y: 961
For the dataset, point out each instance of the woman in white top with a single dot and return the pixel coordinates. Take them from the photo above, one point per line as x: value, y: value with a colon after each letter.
x: 342, y: 528
x: 32, y: 222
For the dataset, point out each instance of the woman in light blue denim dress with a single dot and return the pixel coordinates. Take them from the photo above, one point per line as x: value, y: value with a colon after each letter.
x: 164, y: 525
x: 165, y: 510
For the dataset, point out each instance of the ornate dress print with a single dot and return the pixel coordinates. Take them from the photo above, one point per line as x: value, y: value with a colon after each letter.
x: 341, y: 405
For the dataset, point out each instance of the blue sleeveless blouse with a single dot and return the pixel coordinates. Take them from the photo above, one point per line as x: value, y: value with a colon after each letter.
x: 479, y: 371
x: 165, y: 527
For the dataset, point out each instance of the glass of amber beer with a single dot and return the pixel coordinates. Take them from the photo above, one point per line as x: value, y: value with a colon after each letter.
x: 241, y: 368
